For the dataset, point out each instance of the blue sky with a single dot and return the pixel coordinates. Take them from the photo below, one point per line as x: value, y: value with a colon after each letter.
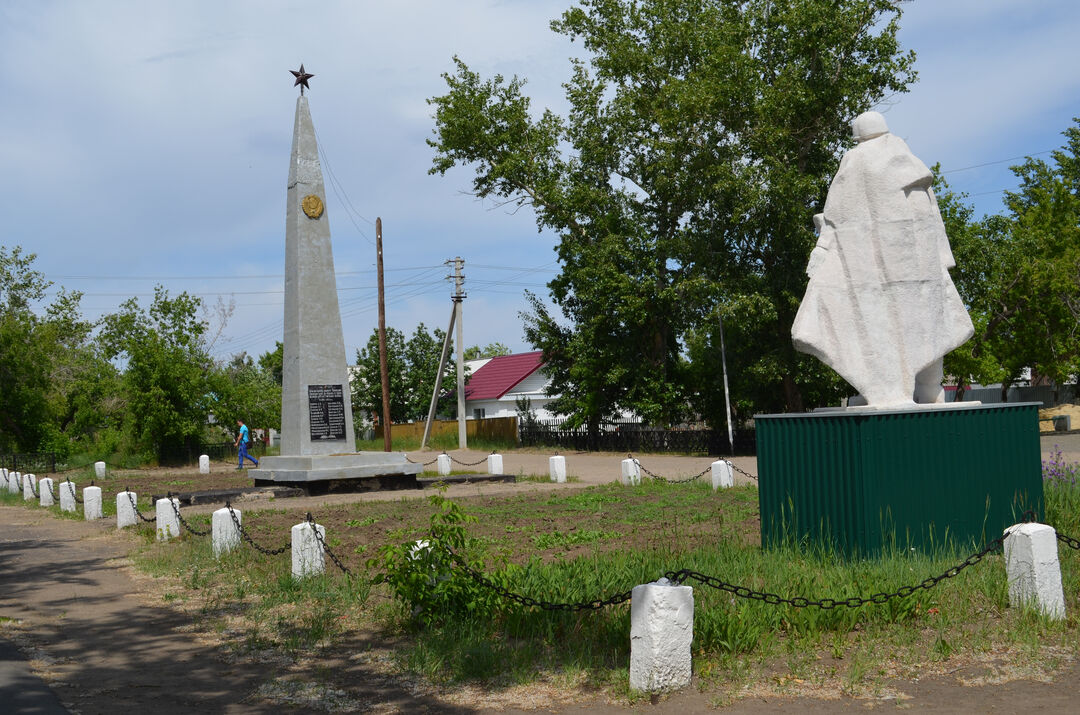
x: 147, y: 142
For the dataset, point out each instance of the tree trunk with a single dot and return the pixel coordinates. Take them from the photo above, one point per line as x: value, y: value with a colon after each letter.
x: 792, y: 395
x: 594, y: 433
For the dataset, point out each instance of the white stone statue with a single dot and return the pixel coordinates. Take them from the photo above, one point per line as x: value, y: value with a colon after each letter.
x: 880, y: 307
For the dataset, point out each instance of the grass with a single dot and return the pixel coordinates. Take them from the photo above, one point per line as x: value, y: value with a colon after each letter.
x: 595, y: 543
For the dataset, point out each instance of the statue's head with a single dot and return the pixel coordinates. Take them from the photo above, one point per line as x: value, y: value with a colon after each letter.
x: 868, y: 125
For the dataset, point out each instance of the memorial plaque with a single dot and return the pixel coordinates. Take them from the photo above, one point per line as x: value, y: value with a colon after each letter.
x: 326, y: 412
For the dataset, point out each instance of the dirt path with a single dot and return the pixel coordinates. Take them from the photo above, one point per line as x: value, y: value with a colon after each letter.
x: 77, y: 611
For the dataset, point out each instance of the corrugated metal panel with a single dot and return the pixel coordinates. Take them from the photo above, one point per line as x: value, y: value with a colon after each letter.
x: 921, y: 477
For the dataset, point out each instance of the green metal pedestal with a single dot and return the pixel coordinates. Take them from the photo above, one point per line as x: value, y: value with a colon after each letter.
x: 860, y: 480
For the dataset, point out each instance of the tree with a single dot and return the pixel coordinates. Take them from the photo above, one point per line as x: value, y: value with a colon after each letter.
x: 271, y: 362
x: 248, y: 391
x: 25, y: 355
x: 1019, y: 274
x: 682, y: 184
x: 412, y: 367
x: 167, y: 374
x: 475, y: 352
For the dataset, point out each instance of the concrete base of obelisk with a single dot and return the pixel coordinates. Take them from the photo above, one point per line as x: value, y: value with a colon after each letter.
x: 359, y: 471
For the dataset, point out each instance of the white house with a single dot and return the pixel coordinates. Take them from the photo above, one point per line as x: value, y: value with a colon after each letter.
x: 497, y: 383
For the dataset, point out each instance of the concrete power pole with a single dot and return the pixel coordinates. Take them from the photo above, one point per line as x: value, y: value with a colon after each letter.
x: 459, y: 296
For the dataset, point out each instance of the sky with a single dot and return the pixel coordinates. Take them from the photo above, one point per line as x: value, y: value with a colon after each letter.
x: 146, y: 143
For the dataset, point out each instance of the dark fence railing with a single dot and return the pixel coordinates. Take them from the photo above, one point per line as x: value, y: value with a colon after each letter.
x: 44, y: 462
x: 1048, y: 395
x: 626, y: 436
x: 220, y: 451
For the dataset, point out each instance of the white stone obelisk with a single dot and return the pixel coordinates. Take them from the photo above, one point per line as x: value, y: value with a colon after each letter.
x: 317, y: 440
x: 316, y: 404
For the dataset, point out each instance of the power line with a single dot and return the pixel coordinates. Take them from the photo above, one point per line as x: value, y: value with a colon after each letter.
x: 991, y: 163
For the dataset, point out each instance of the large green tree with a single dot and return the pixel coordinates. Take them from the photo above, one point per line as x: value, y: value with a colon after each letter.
x: 168, y: 377
x: 682, y: 182
x: 1019, y: 274
x: 247, y: 390
x: 412, y: 366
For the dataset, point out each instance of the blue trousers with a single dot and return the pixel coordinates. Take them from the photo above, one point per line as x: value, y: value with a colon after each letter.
x: 243, y: 453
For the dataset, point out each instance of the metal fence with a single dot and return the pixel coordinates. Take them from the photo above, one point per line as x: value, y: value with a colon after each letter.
x: 29, y: 461
x: 220, y: 451
x: 1037, y: 393
x: 629, y: 436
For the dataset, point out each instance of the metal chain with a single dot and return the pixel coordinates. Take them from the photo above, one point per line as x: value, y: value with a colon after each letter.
x: 742, y: 471
x: 176, y: 510
x: 1069, y: 541
x: 33, y: 487
x: 319, y: 538
x: 683, y: 575
x: 138, y: 513
x: 426, y: 464
x: 528, y: 602
x: 465, y: 464
x: 75, y: 492
x: 653, y: 475
x: 245, y: 537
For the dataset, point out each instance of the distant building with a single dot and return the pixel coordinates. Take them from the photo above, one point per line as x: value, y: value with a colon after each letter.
x: 497, y: 383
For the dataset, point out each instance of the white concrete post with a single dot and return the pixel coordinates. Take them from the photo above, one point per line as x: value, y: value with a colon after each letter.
x: 722, y: 476
x: 13, y: 484
x: 1031, y: 564
x: 204, y: 464
x: 28, y: 484
x: 307, y: 551
x: 168, y: 525
x: 661, y: 632
x: 631, y: 471
x: 99, y: 470
x: 91, y: 498
x: 443, y: 461
x: 125, y: 509
x: 224, y: 534
x: 495, y: 465
x: 557, y: 467
x: 67, y: 496
x: 6, y: 484
x: 45, y: 492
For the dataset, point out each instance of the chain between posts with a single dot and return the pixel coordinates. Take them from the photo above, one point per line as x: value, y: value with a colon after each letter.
x: 658, y: 477
x: 33, y: 487
x: 135, y: 506
x: 465, y: 464
x: 244, y: 535
x: 75, y: 492
x: 743, y: 472
x: 326, y: 548
x: 529, y: 602
x: 176, y: 510
x: 424, y: 464
x: 1069, y: 541
x: 683, y: 575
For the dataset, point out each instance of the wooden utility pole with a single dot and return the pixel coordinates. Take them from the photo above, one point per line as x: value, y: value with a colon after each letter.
x: 459, y: 295
x: 384, y: 375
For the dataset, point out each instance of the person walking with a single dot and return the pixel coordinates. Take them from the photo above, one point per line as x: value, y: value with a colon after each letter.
x: 242, y: 445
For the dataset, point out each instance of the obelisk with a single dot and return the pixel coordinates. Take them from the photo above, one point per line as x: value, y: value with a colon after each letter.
x: 317, y: 439
x: 316, y: 406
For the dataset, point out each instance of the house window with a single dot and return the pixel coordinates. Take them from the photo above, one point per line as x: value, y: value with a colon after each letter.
x: 478, y: 413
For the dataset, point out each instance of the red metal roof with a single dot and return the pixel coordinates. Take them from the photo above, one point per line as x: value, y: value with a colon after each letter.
x: 501, y: 374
